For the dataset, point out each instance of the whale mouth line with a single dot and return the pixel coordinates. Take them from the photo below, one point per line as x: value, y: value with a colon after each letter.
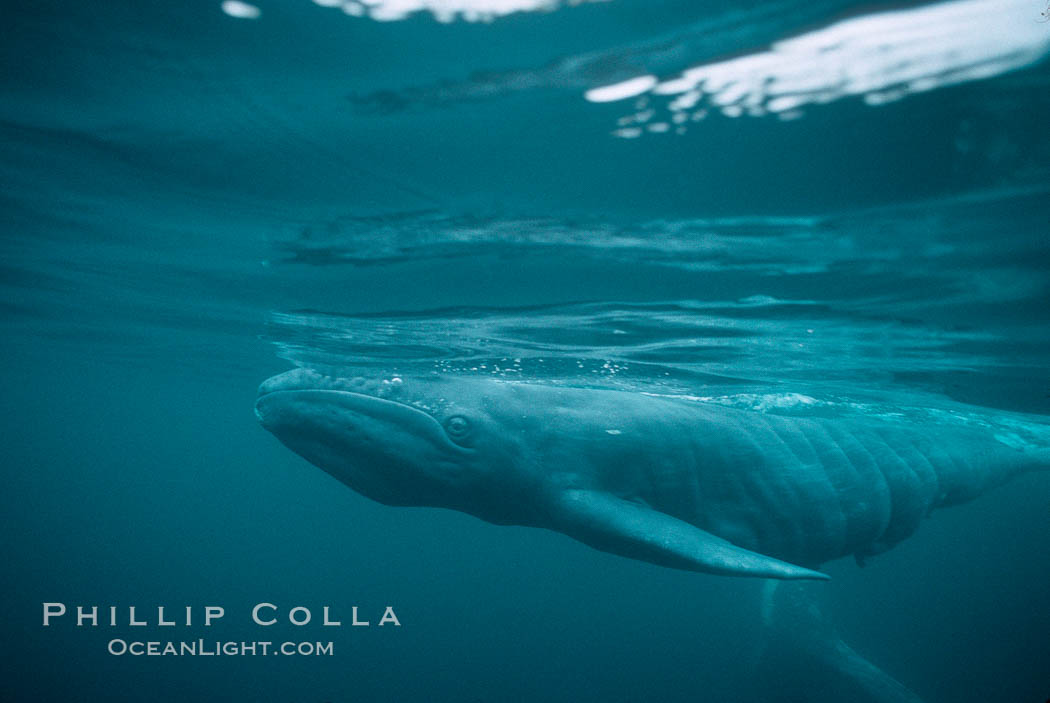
x: 365, y: 404
x: 339, y: 393
x: 266, y: 394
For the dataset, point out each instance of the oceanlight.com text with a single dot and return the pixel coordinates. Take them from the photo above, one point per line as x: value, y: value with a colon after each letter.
x: 216, y: 648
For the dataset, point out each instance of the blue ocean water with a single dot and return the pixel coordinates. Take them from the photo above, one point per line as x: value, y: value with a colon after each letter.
x: 824, y: 204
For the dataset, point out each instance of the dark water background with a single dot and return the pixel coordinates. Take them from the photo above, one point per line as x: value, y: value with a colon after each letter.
x: 192, y: 202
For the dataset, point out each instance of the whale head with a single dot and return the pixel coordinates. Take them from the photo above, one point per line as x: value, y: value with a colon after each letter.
x: 402, y: 441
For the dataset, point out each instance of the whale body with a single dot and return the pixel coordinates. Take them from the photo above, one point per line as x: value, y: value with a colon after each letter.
x: 684, y: 484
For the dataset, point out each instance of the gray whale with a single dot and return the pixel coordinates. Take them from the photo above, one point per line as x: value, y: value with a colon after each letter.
x: 683, y: 484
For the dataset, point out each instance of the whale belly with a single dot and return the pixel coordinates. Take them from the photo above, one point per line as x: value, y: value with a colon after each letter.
x: 808, y: 491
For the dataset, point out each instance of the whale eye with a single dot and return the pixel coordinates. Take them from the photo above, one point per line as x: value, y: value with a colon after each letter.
x: 458, y: 427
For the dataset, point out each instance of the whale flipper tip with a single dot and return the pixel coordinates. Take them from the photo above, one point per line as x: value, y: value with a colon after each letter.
x: 612, y: 524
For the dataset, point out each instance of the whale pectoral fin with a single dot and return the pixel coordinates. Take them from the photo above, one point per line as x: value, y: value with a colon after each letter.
x: 618, y: 526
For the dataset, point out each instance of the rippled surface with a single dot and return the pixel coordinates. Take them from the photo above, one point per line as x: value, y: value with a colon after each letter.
x: 882, y: 57
x: 791, y: 207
